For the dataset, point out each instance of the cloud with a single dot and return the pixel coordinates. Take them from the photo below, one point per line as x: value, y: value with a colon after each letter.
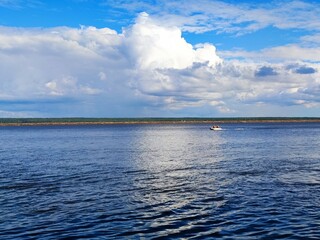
x: 78, y: 63
x: 305, y: 70
x: 285, y: 53
x: 153, y: 46
x: 265, y: 71
x: 41, y: 62
x: 301, y: 69
x: 18, y: 4
x: 311, y: 40
x: 148, y: 69
x: 293, y: 52
x: 222, y: 16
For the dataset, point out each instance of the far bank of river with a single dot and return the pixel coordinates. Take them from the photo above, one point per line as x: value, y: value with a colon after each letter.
x: 97, y: 121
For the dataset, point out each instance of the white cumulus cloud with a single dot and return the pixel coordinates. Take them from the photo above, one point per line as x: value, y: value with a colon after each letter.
x: 149, y: 68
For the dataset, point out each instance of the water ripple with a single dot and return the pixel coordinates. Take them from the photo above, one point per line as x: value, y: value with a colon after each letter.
x: 160, y: 182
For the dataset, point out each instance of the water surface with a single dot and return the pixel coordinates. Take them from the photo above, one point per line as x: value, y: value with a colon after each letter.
x: 248, y: 181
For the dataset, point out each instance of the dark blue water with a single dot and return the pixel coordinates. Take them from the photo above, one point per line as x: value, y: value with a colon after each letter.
x: 249, y: 181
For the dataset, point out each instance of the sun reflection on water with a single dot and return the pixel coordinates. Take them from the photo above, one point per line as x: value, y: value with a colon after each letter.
x: 176, y: 183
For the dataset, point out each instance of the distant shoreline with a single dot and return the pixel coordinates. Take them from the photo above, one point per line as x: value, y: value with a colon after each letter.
x: 126, y: 121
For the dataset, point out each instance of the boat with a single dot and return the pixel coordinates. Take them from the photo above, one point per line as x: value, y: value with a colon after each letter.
x: 215, y: 128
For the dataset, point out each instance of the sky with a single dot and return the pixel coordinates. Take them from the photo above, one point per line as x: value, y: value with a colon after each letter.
x: 158, y: 58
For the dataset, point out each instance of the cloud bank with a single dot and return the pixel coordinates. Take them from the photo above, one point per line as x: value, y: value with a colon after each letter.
x: 236, y: 17
x: 148, y: 69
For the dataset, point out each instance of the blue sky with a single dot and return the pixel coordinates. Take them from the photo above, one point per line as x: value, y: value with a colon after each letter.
x: 159, y: 58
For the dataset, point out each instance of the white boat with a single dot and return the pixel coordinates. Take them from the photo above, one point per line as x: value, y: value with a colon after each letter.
x: 215, y: 128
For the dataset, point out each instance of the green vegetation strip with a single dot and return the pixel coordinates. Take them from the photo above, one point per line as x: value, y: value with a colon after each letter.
x: 101, y: 121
